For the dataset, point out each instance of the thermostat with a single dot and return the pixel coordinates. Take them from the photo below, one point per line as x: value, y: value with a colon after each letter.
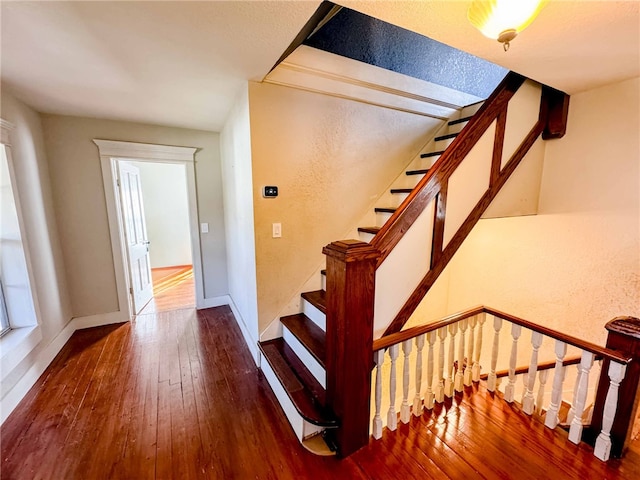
x: 269, y: 192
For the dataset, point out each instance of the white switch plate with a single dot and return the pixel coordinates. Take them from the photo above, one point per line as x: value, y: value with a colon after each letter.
x: 277, y: 230
x: 204, y: 228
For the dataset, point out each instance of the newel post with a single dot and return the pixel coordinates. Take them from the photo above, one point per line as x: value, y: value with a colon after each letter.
x: 351, y: 268
x: 624, y: 336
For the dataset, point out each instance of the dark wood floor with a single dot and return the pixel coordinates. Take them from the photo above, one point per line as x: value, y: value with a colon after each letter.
x: 176, y: 395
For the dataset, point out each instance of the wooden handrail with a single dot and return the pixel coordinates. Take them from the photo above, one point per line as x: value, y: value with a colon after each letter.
x: 431, y: 184
x: 399, y: 337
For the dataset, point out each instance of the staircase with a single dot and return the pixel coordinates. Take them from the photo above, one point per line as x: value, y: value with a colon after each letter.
x: 295, y: 363
x: 320, y: 369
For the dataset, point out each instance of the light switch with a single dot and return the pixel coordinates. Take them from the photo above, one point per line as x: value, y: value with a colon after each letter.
x: 204, y: 228
x: 277, y: 230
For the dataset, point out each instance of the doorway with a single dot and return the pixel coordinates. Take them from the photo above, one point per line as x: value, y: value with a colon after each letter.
x: 134, y: 273
x: 155, y: 211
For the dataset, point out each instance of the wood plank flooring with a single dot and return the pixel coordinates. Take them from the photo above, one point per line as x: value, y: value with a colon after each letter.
x: 177, y: 395
x: 173, y: 288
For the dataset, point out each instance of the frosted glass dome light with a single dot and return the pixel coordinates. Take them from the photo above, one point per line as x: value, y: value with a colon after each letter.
x: 502, y: 20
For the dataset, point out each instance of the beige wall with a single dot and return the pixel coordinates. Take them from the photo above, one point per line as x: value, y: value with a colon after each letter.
x: 166, y: 209
x: 576, y: 265
x: 235, y: 152
x: 331, y: 160
x: 78, y: 194
x: 34, y: 192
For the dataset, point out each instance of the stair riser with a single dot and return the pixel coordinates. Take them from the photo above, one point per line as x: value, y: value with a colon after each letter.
x: 365, y: 237
x: 457, y: 127
x: 443, y: 144
x: 311, y: 363
x: 323, y: 283
x: 314, y: 314
x: 470, y: 110
x: 302, y: 428
x: 399, y: 198
x: 381, y: 218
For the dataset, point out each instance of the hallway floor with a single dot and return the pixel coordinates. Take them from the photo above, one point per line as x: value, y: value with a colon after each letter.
x: 177, y: 395
x: 173, y: 289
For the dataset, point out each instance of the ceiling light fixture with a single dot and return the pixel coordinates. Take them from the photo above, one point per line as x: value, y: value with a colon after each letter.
x: 503, y: 20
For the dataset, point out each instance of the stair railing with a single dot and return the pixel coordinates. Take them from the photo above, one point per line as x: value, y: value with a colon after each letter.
x: 449, y: 357
x: 355, y: 269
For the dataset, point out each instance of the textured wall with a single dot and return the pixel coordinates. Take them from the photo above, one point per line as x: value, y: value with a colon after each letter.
x: 367, y: 39
x: 576, y: 265
x: 235, y: 153
x: 331, y: 159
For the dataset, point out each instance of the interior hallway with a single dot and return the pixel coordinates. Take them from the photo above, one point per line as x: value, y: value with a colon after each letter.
x: 177, y: 395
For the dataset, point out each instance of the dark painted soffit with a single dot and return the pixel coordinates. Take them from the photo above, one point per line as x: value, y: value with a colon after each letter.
x: 367, y: 39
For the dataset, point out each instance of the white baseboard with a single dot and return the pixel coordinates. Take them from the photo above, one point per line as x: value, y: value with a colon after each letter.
x: 251, y: 342
x: 43, y: 359
x: 98, y: 320
x: 215, y: 302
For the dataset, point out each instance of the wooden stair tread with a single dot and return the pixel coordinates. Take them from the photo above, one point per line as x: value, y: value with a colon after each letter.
x: 308, y: 333
x: 401, y: 190
x: 304, y: 391
x: 421, y: 171
x: 431, y: 154
x: 317, y: 298
x: 323, y: 272
x: 385, y: 209
x: 371, y: 230
x: 446, y: 137
x: 460, y: 120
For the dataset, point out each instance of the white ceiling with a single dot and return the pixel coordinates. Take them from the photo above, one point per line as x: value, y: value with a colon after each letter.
x: 181, y: 63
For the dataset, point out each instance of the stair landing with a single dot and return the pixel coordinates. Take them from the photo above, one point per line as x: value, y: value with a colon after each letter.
x: 476, y: 434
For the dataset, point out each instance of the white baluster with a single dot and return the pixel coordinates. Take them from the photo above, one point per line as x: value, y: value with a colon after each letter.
x: 542, y: 378
x: 378, y: 358
x: 442, y: 335
x: 428, y: 396
x: 468, y: 367
x: 405, y: 411
x: 509, y: 391
x: 417, y: 400
x: 602, y: 448
x: 459, y: 380
x: 448, y: 382
x: 527, y: 399
x: 476, y: 359
x: 392, y: 416
x: 575, y: 431
x: 572, y: 410
x: 491, y: 380
x: 551, y: 419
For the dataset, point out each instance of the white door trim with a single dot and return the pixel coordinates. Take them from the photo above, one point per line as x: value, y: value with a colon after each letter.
x: 110, y: 152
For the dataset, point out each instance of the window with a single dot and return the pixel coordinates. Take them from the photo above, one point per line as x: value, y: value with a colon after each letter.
x: 4, y: 317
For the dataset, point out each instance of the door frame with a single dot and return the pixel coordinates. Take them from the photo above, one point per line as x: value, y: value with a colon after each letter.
x: 111, y: 151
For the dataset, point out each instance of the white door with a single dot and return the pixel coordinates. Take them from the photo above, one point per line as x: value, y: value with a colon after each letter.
x: 135, y: 232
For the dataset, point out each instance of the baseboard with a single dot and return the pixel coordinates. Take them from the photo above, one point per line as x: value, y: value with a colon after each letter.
x: 98, y: 320
x: 251, y: 342
x: 215, y: 302
x: 28, y: 380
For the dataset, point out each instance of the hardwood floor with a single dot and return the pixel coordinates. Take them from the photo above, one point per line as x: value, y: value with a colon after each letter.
x: 173, y: 288
x: 177, y: 395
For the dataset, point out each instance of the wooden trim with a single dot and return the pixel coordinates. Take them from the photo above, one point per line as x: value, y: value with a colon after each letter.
x: 624, y: 336
x: 398, y: 337
x: 541, y: 366
x: 145, y: 151
x: 430, y: 185
x: 349, y: 339
x: 452, y: 247
x: 395, y: 338
x: 439, y: 215
x: 6, y: 128
x: 498, y: 146
x: 557, y: 114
